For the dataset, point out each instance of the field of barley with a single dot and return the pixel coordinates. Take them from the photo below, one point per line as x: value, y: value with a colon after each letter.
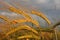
x: 20, y: 23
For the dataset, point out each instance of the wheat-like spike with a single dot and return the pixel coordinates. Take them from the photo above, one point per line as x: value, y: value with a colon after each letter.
x: 41, y: 15
x: 21, y: 28
x: 13, y: 9
x: 26, y: 20
x: 28, y: 36
x: 4, y: 18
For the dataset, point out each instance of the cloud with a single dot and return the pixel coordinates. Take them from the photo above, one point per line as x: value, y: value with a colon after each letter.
x: 47, y: 4
x: 50, y: 4
x: 8, y: 14
x: 57, y: 1
x: 57, y: 4
x: 25, y: 0
x: 42, y: 1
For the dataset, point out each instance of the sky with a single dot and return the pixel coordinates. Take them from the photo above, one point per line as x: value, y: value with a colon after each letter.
x: 51, y: 8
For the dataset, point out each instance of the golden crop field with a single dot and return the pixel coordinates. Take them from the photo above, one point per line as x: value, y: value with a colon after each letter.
x: 24, y: 31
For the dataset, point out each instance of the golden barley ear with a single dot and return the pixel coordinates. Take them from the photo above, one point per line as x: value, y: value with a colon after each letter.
x: 40, y: 14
